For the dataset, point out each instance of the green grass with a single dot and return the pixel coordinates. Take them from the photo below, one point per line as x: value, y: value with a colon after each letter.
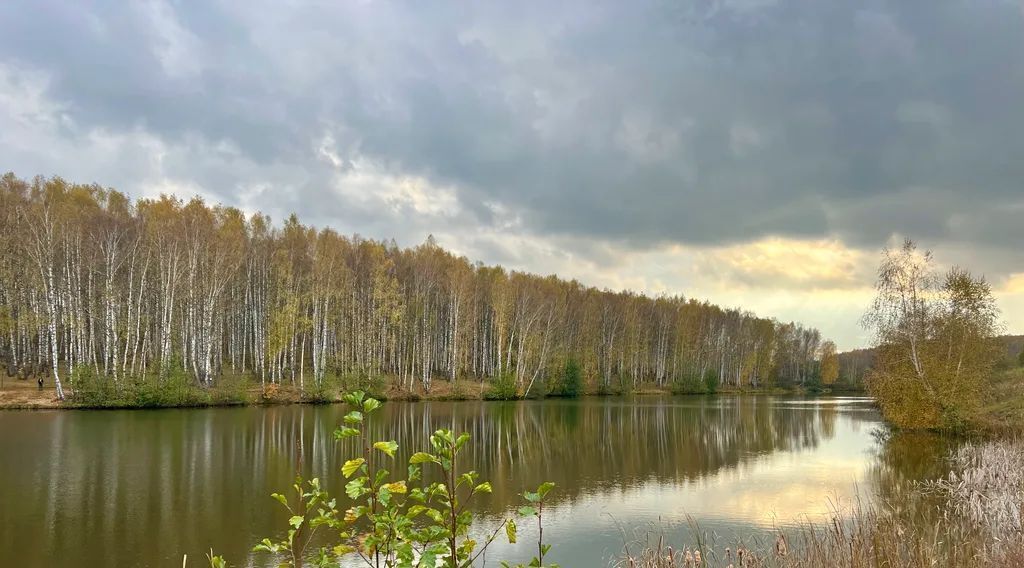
x: 177, y: 388
x: 1005, y: 414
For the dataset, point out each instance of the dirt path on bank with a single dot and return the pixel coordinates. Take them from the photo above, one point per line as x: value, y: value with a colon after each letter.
x: 25, y: 393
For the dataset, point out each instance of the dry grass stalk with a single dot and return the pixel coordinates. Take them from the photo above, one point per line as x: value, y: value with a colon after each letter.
x: 977, y: 522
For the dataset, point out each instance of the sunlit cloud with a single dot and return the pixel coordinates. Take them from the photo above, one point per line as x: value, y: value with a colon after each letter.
x: 781, y: 263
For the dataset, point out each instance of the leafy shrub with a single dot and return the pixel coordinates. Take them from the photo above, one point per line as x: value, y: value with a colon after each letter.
x: 572, y: 379
x: 690, y: 383
x: 176, y: 388
x: 145, y: 394
x: 609, y: 388
x: 710, y: 381
x: 541, y: 388
x: 813, y: 384
x: 90, y: 389
x: 376, y: 384
x: 403, y: 522
x: 365, y: 381
x: 323, y: 392
x: 503, y: 387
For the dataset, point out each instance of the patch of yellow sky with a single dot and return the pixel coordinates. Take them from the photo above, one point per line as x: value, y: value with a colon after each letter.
x: 1010, y: 295
x: 819, y: 282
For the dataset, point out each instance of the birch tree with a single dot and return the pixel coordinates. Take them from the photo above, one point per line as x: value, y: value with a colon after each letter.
x: 935, y: 340
x: 90, y: 280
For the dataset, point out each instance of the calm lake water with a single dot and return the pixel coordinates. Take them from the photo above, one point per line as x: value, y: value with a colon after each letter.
x: 142, y: 488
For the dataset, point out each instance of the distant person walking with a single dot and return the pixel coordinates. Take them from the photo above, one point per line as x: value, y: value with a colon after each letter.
x: 39, y: 381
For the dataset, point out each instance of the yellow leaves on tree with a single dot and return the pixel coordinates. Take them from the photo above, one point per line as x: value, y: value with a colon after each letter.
x: 935, y: 343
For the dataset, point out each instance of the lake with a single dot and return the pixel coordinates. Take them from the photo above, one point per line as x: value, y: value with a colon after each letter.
x: 144, y: 487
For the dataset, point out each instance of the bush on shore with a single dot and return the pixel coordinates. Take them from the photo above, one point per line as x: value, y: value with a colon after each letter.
x: 175, y: 388
x: 696, y: 383
x: 503, y: 387
x: 572, y: 380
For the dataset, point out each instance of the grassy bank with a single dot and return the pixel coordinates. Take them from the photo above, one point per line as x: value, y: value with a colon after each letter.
x: 970, y: 517
x: 1004, y: 413
x: 178, y: 390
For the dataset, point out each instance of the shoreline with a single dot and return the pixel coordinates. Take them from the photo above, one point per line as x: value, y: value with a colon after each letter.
x: 27, y: 397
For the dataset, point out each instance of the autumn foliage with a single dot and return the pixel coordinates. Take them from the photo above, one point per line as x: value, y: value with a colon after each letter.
x: 141, y: 289
x: 936, y: 342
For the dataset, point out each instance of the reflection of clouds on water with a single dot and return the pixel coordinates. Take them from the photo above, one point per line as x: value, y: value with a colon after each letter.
x: 109, y: 486
x: 821, y: 402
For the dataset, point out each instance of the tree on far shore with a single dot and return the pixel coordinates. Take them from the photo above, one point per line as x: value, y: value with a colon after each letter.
x: 829, y: 363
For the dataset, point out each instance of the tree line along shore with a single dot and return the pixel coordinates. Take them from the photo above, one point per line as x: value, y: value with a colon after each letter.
x: 108, y: 297
x: 120, y: 303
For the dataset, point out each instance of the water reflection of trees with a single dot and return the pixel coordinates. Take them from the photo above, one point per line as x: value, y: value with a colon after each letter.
x: 584, y: 445
x: 903, y: 460
x: 203, y: 477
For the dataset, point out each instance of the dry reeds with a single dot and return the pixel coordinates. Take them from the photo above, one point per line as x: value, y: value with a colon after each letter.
x: 972, y: 517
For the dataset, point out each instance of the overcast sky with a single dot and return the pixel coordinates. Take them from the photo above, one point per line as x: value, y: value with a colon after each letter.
x: 756, y: 153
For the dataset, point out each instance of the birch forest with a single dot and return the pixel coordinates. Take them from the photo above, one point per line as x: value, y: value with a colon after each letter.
x: 91, y: 279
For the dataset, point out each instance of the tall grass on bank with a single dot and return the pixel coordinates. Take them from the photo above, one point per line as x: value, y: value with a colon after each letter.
x: 971, y: 517
x: 985, y: 490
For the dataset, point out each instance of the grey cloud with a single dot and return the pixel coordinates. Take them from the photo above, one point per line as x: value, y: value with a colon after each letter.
x: 643, y: 123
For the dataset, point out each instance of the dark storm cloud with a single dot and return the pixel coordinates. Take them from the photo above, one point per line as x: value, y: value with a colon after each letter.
x: 638, y: 122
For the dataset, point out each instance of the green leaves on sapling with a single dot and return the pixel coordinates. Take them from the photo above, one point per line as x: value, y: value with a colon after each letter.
x: 398, y: 523
x: 387, y: 447
x: 351, y: 466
